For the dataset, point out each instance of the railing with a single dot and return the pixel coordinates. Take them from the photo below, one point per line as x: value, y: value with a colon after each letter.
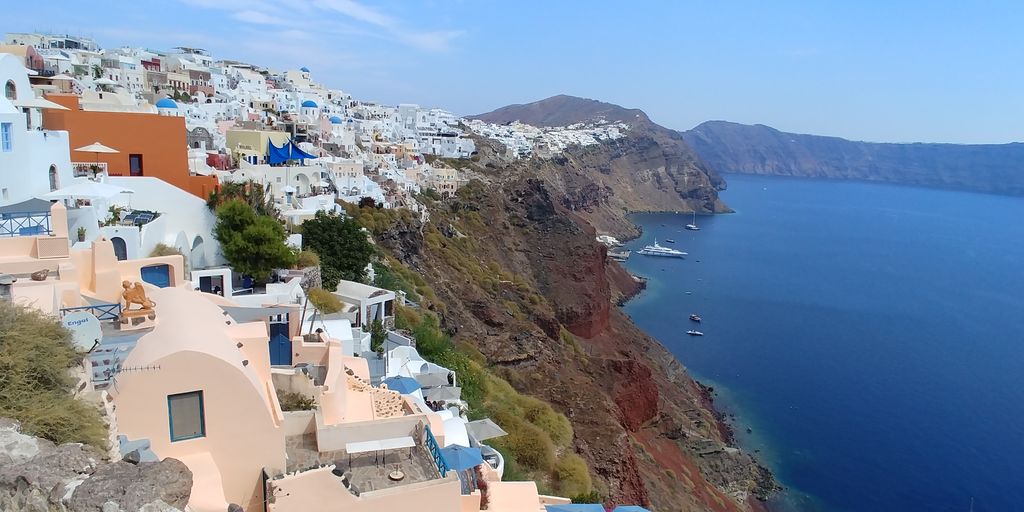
x: 25, y: 224
x: 81, y: 169
x: 435, y: 453
x: 101, y: 311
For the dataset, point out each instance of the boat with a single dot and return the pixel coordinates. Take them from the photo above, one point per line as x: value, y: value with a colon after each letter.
x: 692, y: 332
x: 618, y: 255
x: 695, y: 317
x: 669, y: 240
x: 692, y: 226
x: 657, y: 250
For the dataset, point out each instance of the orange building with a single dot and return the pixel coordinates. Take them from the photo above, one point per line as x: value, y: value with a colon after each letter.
x: 148, y: 144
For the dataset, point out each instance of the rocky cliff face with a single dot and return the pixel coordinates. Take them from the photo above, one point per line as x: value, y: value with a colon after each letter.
x: 38, y: 476
x: 759, y: 149
x: 513, y: 260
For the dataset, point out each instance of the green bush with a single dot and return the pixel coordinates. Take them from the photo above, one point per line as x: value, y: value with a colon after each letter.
x: 162, y: 249
x: 588, y: 497
x: 306, y: 259
x: 324, y: 301
x: 572, y: 476
x: 253, y: 244
x: 35, y: 385
x: 343, y: 247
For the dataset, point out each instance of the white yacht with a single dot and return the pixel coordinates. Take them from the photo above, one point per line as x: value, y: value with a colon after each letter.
x: 657, y: 250
x: 692, y: 226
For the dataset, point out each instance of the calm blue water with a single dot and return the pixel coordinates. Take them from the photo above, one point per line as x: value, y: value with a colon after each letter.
x: 871, y: 336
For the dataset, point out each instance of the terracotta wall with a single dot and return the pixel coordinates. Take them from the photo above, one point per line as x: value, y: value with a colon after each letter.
x: 159, y: 139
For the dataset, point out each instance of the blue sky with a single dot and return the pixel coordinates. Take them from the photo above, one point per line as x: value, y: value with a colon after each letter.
x: 938, y: 71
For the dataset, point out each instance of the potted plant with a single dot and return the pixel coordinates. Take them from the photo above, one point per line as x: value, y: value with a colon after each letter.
x: 81, y: 233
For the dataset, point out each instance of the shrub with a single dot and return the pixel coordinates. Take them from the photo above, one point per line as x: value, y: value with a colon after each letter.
x: 324, y: 301
x: 571, y: 475
x: 306, y: 259
x: 291, y: 401
x: 377, y: 335
x: 35, y: 385
x: 588, y: 497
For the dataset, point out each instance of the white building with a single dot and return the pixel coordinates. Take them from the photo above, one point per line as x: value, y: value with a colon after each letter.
x: 33, y: 161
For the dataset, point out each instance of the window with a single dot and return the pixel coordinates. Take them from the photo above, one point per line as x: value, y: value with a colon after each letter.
x: 187, y: 417
x: 135, y: 164
x: 6, y: 137
x: 10, y: 91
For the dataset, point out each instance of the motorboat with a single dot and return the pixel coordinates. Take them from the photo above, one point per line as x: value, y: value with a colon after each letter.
x: 692, y: 332
x: 657, y: 250
x: 695, y: 317
x: 669, y: 240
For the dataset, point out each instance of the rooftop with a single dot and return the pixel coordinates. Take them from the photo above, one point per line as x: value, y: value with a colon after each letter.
x: 370, y: 471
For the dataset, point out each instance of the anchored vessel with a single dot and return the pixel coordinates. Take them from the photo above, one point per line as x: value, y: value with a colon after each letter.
x: 657, y: 250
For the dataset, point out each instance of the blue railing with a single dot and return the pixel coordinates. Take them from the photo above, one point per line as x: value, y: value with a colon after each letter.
x: 25, y: 224
x: 435, y: 453
x: 102, y: 311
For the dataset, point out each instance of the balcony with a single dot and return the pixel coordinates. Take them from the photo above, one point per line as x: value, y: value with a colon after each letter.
x: 24, y: 224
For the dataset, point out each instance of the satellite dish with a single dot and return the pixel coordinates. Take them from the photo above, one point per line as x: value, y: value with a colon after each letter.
x: 85, y: 329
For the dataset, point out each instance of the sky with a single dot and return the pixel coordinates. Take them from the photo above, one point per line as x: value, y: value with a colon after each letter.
x: 938, y: 71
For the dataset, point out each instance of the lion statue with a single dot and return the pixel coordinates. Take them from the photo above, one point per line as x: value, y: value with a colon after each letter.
x: 135, y: 294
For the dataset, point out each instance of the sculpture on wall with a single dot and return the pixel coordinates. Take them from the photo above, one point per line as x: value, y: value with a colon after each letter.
x: 135, y: 294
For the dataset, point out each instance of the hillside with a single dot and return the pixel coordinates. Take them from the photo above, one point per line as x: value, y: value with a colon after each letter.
x: 651, y: 169
x: 523, y: 289
x: 562, y: 110
x: 758, y: 149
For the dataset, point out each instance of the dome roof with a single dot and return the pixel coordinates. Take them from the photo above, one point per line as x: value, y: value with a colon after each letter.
x: 166, y: 103
x: 335, y: 120
x: 309, y: 104
x: 304, y: 69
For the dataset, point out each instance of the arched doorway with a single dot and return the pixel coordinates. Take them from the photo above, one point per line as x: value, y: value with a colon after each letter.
x: 197, y: 257
x: 120, y: 248
x: 301, y: 184
x: 54, y: 184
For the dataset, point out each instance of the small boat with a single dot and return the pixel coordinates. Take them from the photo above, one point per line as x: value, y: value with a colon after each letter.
x: 657, y: 250
x: 669, y: 240
x: 695, y: 317
x: 618, y: 255
x: 692, y: 226
x: 692, y: 332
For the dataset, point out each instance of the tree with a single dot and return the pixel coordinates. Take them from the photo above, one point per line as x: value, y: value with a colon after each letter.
x: 97, y: 71
x: 253, y: 244
x: 324, y: 301
x: 342, y: 245
x: 367, y: 202
x: 250, y: 192
x: 377, y: 336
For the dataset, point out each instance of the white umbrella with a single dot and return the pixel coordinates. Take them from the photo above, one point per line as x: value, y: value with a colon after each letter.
x: 485, y: 429
x: 97, y: 148
x: 87, y: 189
x: 104, y: 81
x: 61, y: 76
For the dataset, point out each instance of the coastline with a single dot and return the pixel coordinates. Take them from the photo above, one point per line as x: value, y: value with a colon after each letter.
x: 761, y: 502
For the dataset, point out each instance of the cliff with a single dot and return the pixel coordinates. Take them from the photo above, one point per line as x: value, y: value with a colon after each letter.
x: 521, y: 283
x: 758, y: 149
x: 651, y: 169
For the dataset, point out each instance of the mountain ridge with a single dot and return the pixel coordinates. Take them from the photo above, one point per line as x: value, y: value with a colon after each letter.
x: 562, y: 110
x: 729, y: 147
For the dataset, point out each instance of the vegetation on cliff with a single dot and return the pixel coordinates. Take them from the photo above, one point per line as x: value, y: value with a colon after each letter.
x: 36, y: 386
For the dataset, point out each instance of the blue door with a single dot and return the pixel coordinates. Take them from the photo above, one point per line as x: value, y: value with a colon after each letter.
x: 157, y: 275
x: 280, y: 350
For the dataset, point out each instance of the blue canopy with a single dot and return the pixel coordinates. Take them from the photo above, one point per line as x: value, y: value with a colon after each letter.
x: 630, y: 508
x: 576, y: 507
x: 403, y: 385
x: 461, y: 458
x: 288, y: 151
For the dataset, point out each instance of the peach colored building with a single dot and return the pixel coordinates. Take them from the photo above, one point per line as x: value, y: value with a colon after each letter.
x: 147, y: 144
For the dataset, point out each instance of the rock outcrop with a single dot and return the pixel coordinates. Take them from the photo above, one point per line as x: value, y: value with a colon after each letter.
x: 758, y: 149
x: 520, y: 278
x: 38, y: 476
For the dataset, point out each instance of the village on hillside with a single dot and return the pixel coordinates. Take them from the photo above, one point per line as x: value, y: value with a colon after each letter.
x: 184, y: 217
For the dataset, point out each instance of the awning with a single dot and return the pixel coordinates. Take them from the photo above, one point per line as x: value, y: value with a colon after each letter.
x: 484, y: 429
x: 86, y: 190
x: 30, y: 206
x: 576, y: 507
x: 38, y: 103
x: 393, y: 443
x: 442, y: 393
x: 289, y: 151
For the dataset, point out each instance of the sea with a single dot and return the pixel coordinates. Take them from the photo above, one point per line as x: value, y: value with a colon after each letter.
x: 866, y: 340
